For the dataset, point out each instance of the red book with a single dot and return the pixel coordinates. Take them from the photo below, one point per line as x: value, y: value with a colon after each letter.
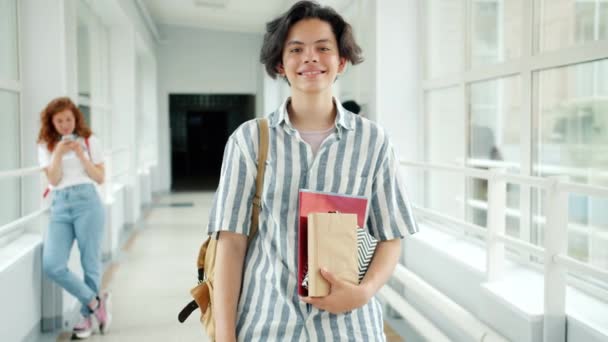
x: 322, y: 202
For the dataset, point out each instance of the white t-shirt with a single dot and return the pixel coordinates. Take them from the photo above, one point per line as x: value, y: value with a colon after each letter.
x: 72, y: 169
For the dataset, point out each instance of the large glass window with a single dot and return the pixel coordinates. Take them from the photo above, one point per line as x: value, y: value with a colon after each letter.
x: 565, y: 23
x: 445, y: 31
x: 572, y: 142
x: 445, y: 146
x: 498, y: 93
x: 84, y: 60
x: 10, y: 206
x: 494, y: 142
x: 572, y: 123
x: 9, y: 56
x: 496, y: 30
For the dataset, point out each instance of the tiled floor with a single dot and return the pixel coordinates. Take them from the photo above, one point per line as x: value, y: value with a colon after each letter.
x: 150, y: 282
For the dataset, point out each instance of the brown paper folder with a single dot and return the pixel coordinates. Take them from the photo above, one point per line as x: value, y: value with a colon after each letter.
x: 332, y: 243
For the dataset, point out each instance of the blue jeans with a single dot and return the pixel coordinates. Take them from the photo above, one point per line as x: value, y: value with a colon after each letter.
x: 76, y: 213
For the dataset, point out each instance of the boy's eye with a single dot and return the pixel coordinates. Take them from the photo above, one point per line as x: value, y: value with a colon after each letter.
x: 295, y: 50
x: 324, y: 48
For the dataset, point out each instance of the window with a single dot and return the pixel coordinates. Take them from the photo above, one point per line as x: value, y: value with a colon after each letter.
x: 496, y: 31
x: 445, y: 146
x: 10, y: 208
x: 499, y: 93
x: 445, y: 38
x: 10, y: 188
x: 572, y: 141
x: 494, y: 141
x: 9, y: 68
x: 566, y: 23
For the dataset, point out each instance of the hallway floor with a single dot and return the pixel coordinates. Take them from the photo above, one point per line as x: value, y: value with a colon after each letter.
x: 151, y: 279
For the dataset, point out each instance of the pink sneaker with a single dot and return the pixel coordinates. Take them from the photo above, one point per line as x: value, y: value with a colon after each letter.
x: 83, y: 329
x: 102, y: 313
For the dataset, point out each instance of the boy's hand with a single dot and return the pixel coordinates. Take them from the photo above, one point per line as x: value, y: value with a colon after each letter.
x: 343, y: 296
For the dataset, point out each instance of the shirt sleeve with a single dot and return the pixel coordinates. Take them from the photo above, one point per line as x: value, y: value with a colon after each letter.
x: 44, y: 156
x: 390, y: 214
x: 231, y: 209
x: 96, y: 149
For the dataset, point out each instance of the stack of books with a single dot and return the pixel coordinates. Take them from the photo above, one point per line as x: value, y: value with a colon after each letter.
x: 331, y: 234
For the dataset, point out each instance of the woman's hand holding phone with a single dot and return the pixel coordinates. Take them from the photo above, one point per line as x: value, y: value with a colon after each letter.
x: 65, y: 145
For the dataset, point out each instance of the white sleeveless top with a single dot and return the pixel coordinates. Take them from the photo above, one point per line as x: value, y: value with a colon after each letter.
x: 72, y: 169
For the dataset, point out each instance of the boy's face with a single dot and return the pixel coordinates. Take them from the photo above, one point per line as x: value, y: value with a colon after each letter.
x: 311, y: 58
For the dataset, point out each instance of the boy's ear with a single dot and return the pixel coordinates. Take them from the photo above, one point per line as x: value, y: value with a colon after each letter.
x: 280, y: 69
x: 342, y: 65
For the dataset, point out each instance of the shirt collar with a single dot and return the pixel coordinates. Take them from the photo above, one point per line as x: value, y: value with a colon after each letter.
x: 344, y: 118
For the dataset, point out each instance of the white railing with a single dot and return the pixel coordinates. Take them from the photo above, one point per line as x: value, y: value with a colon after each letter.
x: 22, y: 221
x: 556, y: 260
x: 20, y: 172
x: 464, y: 321
x: 107, y: 188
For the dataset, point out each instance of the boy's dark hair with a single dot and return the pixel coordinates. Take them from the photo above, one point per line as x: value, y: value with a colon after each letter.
x: 277, y: 30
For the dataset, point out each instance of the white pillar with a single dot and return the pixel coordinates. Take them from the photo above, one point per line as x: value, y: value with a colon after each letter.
x: 556, y: 242
x: 48, y: 64
x: 495, y: 225
x: 123, y: 61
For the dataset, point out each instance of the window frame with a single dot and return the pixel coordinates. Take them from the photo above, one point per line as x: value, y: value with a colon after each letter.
x: 531, y: 61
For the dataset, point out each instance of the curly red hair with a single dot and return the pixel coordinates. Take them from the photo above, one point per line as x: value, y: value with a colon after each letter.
x: 48, y: 135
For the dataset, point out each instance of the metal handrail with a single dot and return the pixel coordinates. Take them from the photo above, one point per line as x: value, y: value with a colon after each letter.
x: 557, y: 187
x: 469, y: 227
x: 7, y: 228
x: 516, y: 244
x: 538, y: 182
x: 522, y: 246
x: 581, y: 267
x: 20, y: 172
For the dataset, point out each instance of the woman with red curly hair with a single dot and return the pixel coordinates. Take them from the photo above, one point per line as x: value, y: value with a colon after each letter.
x: 72, y: 158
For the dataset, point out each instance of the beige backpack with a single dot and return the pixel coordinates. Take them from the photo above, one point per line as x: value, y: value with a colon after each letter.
x: 203, y: 292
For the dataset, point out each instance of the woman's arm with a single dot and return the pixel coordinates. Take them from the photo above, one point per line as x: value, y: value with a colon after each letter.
x: 344, y: 296
x: 229, y: 257
x: 96, y: 172
x: 54, y: 171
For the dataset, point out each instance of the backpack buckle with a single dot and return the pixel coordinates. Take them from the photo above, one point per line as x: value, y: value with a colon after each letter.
x: 257, y: 202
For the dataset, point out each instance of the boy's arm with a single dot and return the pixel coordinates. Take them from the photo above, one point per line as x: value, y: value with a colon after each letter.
x: 230, y: 254
x: 382, y: 265
x: 344, y: 296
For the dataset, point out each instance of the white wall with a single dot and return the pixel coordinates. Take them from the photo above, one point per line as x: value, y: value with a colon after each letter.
x: 201, y: 61
x: 50, y: 27
x: 359, y: 82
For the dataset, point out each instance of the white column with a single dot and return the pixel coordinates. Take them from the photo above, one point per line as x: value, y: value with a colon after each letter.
x: 123, y: 61
x: 48, y: 63
x: 495, y: 225
x: 556, y: 242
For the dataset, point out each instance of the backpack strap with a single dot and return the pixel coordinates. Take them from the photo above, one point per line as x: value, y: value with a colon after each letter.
x: 86, y: 142
x: 259, y: 181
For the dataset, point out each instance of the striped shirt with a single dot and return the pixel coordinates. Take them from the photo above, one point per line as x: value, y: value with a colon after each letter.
x: 356, y: 159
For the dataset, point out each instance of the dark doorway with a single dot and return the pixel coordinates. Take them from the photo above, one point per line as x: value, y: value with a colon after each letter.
x: 200, y: 127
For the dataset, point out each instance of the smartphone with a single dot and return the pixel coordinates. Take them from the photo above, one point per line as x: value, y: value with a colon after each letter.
x: 68, y: 137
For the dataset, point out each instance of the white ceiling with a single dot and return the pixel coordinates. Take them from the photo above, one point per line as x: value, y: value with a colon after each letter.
x: 224, y: 15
